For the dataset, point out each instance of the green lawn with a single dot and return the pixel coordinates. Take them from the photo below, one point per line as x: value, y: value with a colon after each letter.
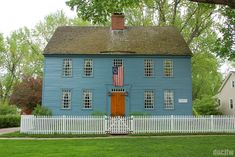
x: 196, y: 146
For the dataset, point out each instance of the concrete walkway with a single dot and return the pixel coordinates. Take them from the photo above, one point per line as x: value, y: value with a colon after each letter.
x: 9, y: 130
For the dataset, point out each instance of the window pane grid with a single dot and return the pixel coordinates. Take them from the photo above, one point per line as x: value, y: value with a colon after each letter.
x: 169, y: 99
x: 117, y: 62
x: 148, y: 99
x: 231, y: 103
x: 88, y: 67
x: 148, y: 67
x: 87, y: 99
x: 66, y: 99
x: 168, y: 68
x: 67, y: 67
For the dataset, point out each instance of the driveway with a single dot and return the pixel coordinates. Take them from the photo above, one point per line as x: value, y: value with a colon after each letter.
x: 8, y: 130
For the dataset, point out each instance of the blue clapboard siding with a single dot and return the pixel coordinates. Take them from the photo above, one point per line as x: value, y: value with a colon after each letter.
x: 101, y: 83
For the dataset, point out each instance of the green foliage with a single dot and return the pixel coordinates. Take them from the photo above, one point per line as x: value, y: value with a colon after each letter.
x: 207, y: 105
x: 225, y: 45
x: 98, y: 113
x: 8, y: 109
x: 7, y: 121
x: 139, y: 114
x: 42, y: 111
x: 97, y: 11
x: 206, y: 79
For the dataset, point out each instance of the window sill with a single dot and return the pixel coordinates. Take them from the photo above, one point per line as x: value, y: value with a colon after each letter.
x: 169, y: 108
x: 65, y: 108
x: 149, y: 76
x: 84, y: 76
x: 149, y: 109
x: 87, y: 109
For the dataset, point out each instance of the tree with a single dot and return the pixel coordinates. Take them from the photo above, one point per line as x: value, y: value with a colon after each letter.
x: 206, y: 81
x: 231, y: 3
x: 27, y: 94
x: 205, y: 76
x: 225, y: 45
x: 99, y: 11
x: 44, y: 30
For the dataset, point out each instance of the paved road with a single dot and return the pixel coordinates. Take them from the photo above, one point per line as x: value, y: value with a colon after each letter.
x: 8, y: 130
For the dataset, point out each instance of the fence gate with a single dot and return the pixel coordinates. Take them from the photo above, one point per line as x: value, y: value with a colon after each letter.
x: 119, y: 125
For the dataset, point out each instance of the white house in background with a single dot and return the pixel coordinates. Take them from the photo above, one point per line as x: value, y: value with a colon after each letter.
x: 226, y: 95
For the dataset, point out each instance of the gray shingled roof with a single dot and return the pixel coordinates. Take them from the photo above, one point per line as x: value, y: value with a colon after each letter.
x: 133, y: 40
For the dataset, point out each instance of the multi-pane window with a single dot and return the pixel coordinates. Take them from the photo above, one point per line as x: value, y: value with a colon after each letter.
x: 169, y: 99
x: 87, y: 99
x: 148, y: 99
x: 88, y: 67
x: 168, y: 68
x: 148, y: 67
x: 219, y: 102
x: 67, y: 67
x: 233, y: 84
x: 231, y: 103
x: 117, y: 62
x: 66, y: 99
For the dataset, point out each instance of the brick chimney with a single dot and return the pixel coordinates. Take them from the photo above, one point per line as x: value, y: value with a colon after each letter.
x: 118, y: 21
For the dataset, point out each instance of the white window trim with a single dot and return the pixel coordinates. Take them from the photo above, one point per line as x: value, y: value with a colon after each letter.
x: 149, y: 105
x: 148, y: 68
x: 118, y: 90
x: 169, y: 93
x: 117, y: 62
x: 90, y: 100
x: 171, y: 68
x: 64, y: 91
x: 88, y: 69
x: 67, y: 71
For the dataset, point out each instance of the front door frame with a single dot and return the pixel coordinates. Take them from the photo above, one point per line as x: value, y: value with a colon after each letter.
x: 118, y: 103
x: 109, y: 90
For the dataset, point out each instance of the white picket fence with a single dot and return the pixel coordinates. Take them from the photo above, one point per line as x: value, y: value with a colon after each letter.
x: 125, y: 125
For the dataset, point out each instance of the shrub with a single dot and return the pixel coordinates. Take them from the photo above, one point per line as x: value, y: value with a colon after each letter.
x: 27, y: 94
x: 42, y: 111
x: 8, y: 109
x: 139, y: 114
x: 98, y: 113
x: 7, y: 121
x: 207, y: 105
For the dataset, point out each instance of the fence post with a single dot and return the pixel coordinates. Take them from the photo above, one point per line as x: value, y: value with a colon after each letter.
x: 105, y: 123
x: 212, y: 123
x: 132, y: 124
x: 63, y: 123
x: 172, y: 123
x: 21, y: 124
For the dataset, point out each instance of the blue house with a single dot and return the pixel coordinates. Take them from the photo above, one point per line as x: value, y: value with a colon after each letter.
x: 117, y: 71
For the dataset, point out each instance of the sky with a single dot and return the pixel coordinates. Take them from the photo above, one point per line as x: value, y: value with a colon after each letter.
x: 15, y: 14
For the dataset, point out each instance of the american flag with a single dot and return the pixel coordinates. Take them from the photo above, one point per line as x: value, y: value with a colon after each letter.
x: 118, y: 73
